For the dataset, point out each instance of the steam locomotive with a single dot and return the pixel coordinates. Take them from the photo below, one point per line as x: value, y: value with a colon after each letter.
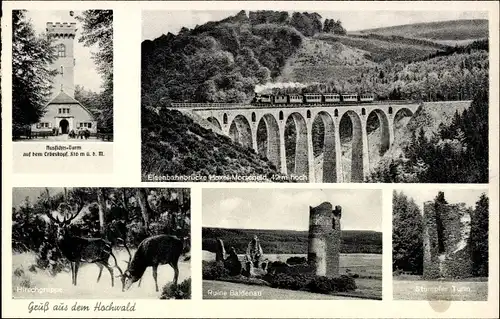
x: 314, y: 98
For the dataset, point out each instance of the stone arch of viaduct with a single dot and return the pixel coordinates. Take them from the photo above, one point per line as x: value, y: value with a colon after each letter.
x: 241, y: 123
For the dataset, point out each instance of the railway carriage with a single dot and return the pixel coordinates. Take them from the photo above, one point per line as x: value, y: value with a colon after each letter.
x: 312, y: 98
x: 281, y: 99
x: 350, y: 97
x: 331, y: 97
x: 295, y: 99
x: 366, y: 97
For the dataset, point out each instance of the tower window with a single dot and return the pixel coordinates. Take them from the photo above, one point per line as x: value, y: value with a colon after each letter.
x: 61, y: 50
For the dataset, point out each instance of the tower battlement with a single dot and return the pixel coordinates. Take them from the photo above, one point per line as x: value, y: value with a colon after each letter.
x: 324, y: 239
x: 61, y: 29
x: 63, y: 36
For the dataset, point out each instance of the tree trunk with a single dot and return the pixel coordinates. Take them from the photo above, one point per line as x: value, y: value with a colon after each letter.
x: 102, y: 211
x: 143, y: 203
x: 124, y: 204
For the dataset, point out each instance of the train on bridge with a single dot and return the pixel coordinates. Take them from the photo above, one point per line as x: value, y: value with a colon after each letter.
x: 313, y: 98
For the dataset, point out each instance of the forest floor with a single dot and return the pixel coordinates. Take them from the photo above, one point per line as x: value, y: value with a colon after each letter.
x: 87, y: 285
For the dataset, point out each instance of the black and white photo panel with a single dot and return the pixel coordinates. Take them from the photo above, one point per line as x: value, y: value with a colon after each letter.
x: 440, y: 244
x: 292, y: 244
x: 101, y: 243
x: 62, y: 90
x: 318, y: 96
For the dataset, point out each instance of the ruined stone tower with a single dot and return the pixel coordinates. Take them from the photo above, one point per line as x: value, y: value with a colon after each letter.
x: 447, y: 251
x: 63, y: 35
x: 324, y: 239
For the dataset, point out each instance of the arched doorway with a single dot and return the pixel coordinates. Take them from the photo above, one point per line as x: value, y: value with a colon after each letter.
x: 64, y: 125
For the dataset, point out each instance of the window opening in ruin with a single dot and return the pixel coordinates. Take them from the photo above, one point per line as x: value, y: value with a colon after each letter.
x: 253, y: 116
x: 308, y: 114
x: 224, y: 118
x: 336, y: 113
x: 281, y: 115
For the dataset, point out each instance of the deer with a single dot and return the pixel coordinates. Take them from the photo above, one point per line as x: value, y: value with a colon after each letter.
x: 153, y: 251
x: 80, y: 249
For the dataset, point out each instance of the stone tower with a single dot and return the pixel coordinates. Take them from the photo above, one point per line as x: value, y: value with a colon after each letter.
x: 447, y: 251
x: 324, y: 239
x: 63, y: 35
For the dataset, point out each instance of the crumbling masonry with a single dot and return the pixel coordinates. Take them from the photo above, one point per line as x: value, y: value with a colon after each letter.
x: 447, y: 251
x: 324, y: 239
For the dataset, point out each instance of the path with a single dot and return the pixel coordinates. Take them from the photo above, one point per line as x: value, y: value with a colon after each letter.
x: 216, y: 289
x: 439, y: 290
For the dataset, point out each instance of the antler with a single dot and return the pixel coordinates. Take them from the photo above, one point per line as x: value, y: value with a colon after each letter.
x: 116, y: 265
x: 79, y: 204
x: 128, y: 251
x: 48, y: 206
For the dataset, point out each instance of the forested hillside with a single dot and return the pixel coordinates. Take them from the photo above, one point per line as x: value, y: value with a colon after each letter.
x: 174, y: 144
x: 441, y: 30
x: 288, y: 241
x: 224, y: 61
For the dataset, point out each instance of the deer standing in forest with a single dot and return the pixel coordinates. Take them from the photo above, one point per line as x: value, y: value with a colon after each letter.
x: 153, y: 251
x: 80, y: 249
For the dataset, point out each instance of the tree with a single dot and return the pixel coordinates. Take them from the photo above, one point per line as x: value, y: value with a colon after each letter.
x: 97, y: 29
x: 143, y: 203
x: 102, y: 211
x: 32, y: 56
x: 407, y: 240
x: 479, y: 237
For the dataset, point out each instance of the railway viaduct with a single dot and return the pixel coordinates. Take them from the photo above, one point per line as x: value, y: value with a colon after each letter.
x: 240, y: 122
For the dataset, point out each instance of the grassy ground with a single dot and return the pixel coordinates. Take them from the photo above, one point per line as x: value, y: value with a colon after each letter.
x: 87, y: 286
x: 414, y: 288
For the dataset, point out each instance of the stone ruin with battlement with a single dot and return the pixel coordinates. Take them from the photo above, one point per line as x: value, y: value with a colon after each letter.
x: 323, y: 247
x: 447, y: 251
x: 324, y: 239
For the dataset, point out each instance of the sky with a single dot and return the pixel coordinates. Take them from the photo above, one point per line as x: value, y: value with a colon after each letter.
x: 19, y: 194
x: 266, y: 208
x: 85, y: 70
x: 452, y: 196
x: 155, y: 23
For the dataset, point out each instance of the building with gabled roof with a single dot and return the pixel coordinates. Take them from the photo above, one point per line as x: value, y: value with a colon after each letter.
x: 63, y: 113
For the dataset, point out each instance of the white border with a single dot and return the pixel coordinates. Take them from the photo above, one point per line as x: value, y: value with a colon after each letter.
x: 127, y: 35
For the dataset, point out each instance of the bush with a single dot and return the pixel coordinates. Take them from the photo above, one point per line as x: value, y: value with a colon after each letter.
x: 312, y: 283
x: 179, y: 291
x: 288, y: 281
x: 326, y: 285
x: 320, y: 285
x: 214, y: 270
